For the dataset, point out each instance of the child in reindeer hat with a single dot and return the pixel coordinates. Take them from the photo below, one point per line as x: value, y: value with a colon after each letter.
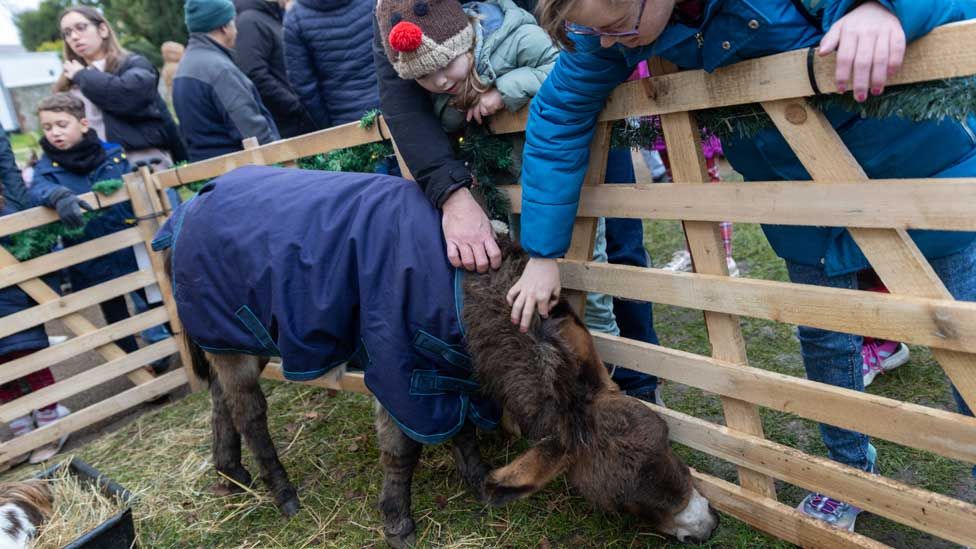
x: 475, y: 58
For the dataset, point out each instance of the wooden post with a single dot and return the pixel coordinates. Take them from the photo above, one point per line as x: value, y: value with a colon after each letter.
x: 584, y: 228
x: 252, y: 144
x: 683, y: 138
x: 893, y: 254
x: 146, y: 205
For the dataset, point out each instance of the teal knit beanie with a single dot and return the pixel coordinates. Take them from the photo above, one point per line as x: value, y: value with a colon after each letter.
x: 207, y: 15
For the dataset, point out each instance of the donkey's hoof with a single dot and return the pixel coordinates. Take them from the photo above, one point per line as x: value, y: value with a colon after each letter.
x: 290, y: 508
x: 287, y: 502
x: 407, y: 540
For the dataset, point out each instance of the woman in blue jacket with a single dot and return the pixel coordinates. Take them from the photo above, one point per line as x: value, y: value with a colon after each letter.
x: 607, y: 41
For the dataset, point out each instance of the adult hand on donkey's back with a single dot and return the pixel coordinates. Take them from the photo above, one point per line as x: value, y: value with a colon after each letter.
x: 468, y: 235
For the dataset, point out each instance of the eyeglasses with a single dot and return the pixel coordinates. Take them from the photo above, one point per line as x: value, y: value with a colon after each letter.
x: 77, y: 27
x: 590, y: 31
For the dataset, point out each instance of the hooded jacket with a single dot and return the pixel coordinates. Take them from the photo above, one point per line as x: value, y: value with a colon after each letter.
x: 563, y: 116
x: 409, y: 112
x: 511, y: 53
x: 336, y: 265
x: 327, y: 52
x: 260, y: 54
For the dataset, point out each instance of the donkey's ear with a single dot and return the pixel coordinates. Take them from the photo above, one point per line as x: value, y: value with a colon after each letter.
x: 527, y: 474
x: 577, y: 337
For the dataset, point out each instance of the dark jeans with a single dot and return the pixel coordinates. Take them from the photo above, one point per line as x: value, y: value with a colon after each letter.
x: 625, y: 246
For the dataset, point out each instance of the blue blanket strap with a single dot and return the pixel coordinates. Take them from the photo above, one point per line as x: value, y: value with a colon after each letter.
x: 431, y: 383
x: 251, y: 322
x: 451, y: 353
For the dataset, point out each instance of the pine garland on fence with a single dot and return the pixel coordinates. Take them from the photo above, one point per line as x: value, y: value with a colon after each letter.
x: 39, y: 241
x: 951, y: 99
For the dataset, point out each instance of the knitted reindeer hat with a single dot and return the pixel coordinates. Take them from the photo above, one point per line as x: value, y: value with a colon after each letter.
x: 423, y: 36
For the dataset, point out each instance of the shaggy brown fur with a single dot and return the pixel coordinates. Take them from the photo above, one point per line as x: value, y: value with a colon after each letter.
x: 551, y: 379
x: 554, y: 384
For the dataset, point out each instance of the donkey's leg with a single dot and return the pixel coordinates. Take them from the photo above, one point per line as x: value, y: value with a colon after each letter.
x: 399, y: 455
x: 248, y: 410
x: 226, y: 441
x: 468, y: 459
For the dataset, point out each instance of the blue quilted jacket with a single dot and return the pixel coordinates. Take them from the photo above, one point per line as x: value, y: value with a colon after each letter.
x: 563, y: 116
x: 329, y: 58
x: 335, y: 265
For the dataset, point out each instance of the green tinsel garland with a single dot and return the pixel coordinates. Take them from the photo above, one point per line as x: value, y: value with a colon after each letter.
x: 39, y: 241
x: 952, y: 99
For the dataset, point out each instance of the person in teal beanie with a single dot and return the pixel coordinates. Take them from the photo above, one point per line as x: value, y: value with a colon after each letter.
x: 207, y: 15
x: 218, y: 106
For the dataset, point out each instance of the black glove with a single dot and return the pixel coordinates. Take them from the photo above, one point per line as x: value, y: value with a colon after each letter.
x: 69, y: 207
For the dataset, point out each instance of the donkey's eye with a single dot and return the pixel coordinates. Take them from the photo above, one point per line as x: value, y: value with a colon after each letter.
x: 395, y: 18
x: 421, y: 8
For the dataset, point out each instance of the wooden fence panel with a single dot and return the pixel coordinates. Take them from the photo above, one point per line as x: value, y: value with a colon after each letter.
x: 923, y: 314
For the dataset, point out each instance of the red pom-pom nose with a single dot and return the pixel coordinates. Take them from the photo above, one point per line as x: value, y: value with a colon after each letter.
x: 405, y: 36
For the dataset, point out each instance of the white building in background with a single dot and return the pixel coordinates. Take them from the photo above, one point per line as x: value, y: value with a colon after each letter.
x: 25, y: 79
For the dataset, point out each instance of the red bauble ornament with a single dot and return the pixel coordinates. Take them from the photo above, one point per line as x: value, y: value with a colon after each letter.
x: 405, y: 36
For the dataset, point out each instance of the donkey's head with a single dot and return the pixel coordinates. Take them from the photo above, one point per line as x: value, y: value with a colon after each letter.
x: 614, y: 448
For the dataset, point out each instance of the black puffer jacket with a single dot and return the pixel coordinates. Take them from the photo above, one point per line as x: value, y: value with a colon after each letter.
x: 135, y: 115
x: 260, y: 54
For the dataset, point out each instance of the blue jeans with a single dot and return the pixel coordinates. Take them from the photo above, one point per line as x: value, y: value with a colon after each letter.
x: 625, y: 246
x: 835, y: 358
x: 155, y: 333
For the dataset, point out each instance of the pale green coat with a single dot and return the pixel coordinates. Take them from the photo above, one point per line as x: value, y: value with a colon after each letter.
x: 512, y: 53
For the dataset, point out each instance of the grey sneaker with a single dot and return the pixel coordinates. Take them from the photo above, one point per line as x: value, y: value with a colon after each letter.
x: 834, y: 512
x: 680, y: 262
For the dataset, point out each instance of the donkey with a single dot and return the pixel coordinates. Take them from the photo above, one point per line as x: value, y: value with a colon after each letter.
x: 613, y: 448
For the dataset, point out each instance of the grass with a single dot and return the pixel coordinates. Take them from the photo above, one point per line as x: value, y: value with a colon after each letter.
x: 328, y: 447
x: 22, y: 144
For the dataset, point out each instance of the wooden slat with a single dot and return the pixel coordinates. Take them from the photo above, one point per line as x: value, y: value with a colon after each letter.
x: 892, y: 253
x: 775, y: 518
x: 73, y: 303
x: 933, y: 322
x: 73, y: 255
x: 146, y: 202
x: 83, y: 418
x: 339, y: 137
x: 75, y: 323
x: 36, y: 217
x: 50, y: 356
x: 683, y: 137
x: 891, y: 204
x: 86, y: 380
x: 944, y: 433
x: 338, y: 379
x: 936, y: 514
x: 946, y: 52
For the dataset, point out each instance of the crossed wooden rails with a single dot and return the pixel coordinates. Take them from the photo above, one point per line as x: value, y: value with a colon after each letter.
x: 919, y: 311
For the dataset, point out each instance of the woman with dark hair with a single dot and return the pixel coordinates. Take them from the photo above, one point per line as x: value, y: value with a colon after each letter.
x: 119, y: 89
x: 122, y: 105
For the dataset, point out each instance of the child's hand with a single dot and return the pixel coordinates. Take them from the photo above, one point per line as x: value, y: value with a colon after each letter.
x: 538, y: 286
x: 488, y: 104
x: 870, y: 40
